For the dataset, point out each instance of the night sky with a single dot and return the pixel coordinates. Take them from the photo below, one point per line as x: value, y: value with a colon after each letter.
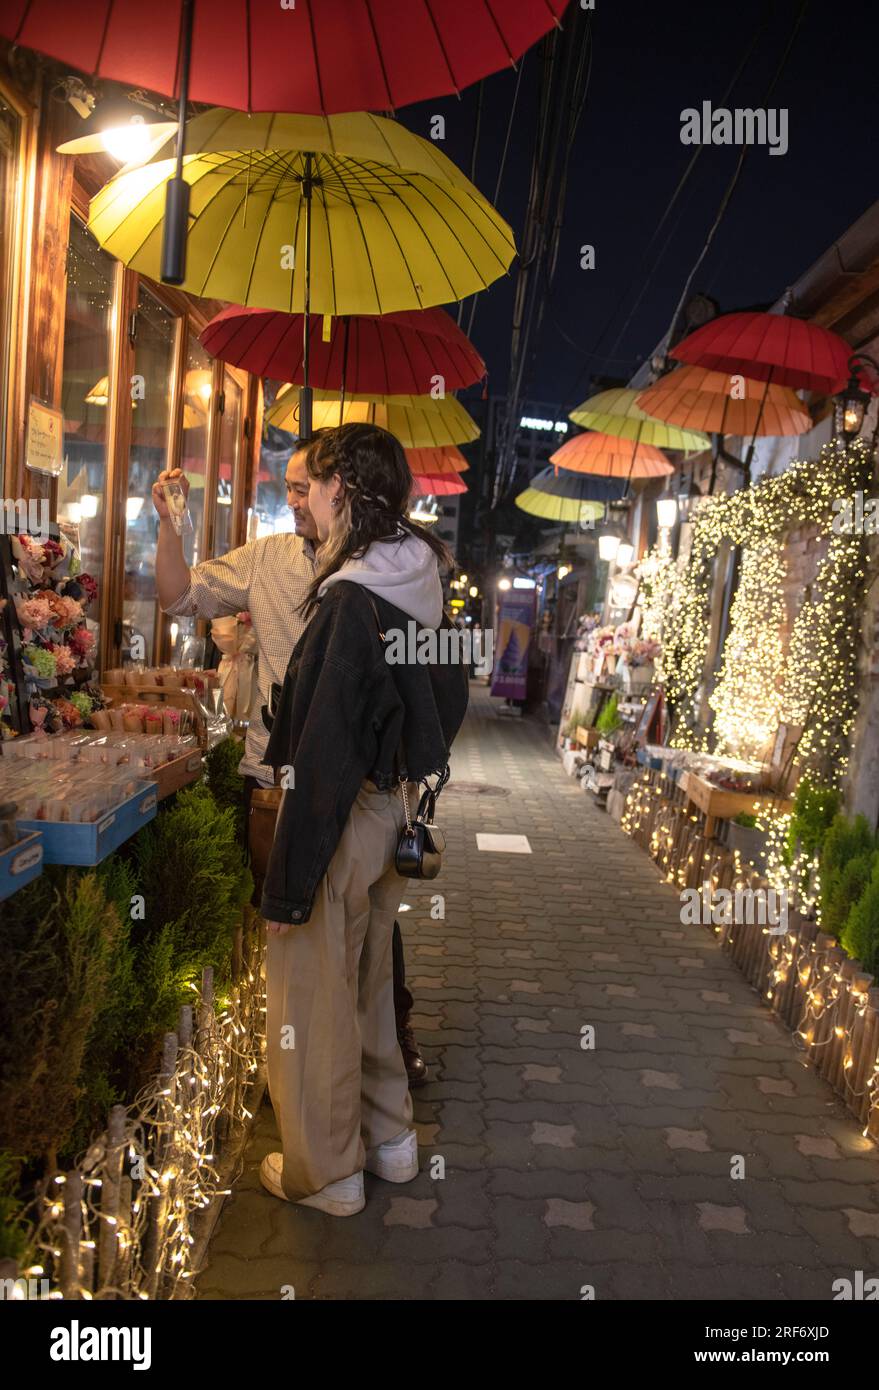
x: 650, y: 62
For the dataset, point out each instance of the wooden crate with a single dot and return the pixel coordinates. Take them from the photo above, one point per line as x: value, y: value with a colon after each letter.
x: 180, y: 772
x: 719, y: 803
x: 587, y: 738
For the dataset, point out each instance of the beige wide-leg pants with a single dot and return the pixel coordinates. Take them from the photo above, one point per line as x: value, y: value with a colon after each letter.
x: 341, y: 1087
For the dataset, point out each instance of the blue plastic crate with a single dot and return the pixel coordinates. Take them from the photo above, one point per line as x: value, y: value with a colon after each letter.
x: 87, y: 844
x: 21, y: 863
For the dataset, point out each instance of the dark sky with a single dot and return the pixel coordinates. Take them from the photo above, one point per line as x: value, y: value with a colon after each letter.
x: 650, y: 62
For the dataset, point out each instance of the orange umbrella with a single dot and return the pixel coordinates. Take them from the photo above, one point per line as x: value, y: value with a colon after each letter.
x: 437, y: 461
x: 720, y: 403
x: 610, y: 457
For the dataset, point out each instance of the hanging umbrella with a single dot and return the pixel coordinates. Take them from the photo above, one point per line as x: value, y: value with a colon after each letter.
x: 443, y: 485
x: 609, y: 457
x: 397, y: 225
x: 616, y: 412
x: 437, y: 471
x: 565, y: 497
x: 393, y: 354
x: 417, y: 421
x: 697, y: 398
x: 771, y: 348
x: 314, y: 56
x: 437, y: 461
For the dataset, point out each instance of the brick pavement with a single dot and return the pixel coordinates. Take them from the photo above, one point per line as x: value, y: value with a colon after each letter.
x: 567, y: 1166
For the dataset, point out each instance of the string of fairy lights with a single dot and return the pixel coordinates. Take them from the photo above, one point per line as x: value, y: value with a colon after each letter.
x: 170, y: 1136
x: 833, y: 1007
x: 815, y: 684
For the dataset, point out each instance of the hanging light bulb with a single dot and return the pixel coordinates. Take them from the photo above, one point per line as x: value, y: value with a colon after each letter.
x: 124, y: 127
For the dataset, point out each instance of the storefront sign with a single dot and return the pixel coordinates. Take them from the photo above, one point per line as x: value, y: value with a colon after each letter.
x: 515, y: 621
x: 45, y: 436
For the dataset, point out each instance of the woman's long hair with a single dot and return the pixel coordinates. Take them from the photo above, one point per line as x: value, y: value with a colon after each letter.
x: 376, y: 483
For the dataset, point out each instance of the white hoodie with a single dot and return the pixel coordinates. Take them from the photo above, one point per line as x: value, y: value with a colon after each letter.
x: 404, y: 572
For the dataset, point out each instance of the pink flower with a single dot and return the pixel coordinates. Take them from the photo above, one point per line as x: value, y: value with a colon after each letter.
x: 81, y: 641
x: 65, y: 661
x: 71, y: 609
x: 30, y: 555
x: 33, y: 612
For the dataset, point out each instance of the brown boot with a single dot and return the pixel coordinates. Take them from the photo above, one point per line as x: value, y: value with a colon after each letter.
x: 416, y: 1067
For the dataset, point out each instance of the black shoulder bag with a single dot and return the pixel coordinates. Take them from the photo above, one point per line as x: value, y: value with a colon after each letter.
x: 420, y: 847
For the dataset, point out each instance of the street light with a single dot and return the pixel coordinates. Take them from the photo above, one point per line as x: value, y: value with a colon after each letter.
x: 473, y: 591
x: 666, y: 511
x: 608, y: 545
x: 504, y: 584
x: 689, y: 497
x: 625, y: 554
x: 852, y: 403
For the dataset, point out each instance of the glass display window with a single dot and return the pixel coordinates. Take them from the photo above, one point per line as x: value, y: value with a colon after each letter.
x: 82, y: 484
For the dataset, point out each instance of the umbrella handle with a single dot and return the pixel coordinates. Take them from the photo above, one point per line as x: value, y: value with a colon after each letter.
x: 305, y: 394
x: 176, y: 222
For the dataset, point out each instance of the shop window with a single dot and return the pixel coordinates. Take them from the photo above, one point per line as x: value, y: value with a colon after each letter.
x: 197, y: 401
x: 85, y: 398
x: 10, y: 141
x: 270, y: 511
x: 150, y: 419
x: 227, y: 470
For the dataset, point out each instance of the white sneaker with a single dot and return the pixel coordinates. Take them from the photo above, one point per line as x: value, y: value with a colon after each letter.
x: 397, y: 1159
x: 342, y: 1198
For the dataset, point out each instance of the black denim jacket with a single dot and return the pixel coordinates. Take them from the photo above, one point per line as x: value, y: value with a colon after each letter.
x: 344, y: 713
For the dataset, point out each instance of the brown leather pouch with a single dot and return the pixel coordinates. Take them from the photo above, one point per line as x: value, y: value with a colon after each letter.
x: 265, y: 802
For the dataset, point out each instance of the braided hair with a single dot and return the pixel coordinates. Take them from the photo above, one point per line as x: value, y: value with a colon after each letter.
x: 376, y: 484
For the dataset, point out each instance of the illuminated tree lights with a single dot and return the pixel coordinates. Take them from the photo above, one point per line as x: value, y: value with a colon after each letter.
x: 747, y: 699
x: 815, y: 685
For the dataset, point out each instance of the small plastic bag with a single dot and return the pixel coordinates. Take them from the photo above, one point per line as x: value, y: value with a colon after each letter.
x: 178, y: 508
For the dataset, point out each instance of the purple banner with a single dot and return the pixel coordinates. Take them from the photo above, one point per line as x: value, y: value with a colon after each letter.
x: 514, y: 624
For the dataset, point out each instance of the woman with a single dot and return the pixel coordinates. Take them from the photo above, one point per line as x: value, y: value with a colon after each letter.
x: 348, y: 723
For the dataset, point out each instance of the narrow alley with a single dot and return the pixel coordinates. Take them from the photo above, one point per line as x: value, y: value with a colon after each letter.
x: 568, y: 1168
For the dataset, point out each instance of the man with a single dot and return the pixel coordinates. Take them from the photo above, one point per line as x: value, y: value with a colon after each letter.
x: 268, y: 579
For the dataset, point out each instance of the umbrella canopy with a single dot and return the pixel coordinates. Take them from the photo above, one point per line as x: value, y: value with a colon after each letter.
x: 617, y: 413
x: 437, y: 461
x: 560, y: 496
x: 610, y: 457
x: 397, y: 354
x: 419, y: 422
x: 314, y: 56
x: 697, y: 398
x: 394, y: 224
x: 442, y: 485
x: 770, y: 347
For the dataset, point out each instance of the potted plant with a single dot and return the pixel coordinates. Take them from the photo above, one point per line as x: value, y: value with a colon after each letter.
x: 743, y: 835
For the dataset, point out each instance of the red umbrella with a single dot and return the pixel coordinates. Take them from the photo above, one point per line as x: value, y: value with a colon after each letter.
x: 316, y: 57
x: 397, y: 354
x: 423, y: 485
x: 770, y: 347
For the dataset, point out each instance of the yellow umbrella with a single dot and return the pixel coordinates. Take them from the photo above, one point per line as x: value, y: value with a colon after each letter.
x: 384, y: 219
x: 615, y: 412
x: 419, y: 422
